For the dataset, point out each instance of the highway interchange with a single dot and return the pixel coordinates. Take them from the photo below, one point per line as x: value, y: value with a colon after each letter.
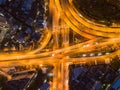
x: 100, y: 38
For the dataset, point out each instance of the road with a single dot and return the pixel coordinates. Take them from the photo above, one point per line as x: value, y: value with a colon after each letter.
x: 90, y: 51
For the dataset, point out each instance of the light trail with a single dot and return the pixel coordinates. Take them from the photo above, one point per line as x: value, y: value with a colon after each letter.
x: 53, y: 60
x: 88, y: 23
x: 63, y: 51
x: 73, y: 18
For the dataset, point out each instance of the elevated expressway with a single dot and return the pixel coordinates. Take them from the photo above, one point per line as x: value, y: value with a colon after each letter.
x: 102, y: 46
